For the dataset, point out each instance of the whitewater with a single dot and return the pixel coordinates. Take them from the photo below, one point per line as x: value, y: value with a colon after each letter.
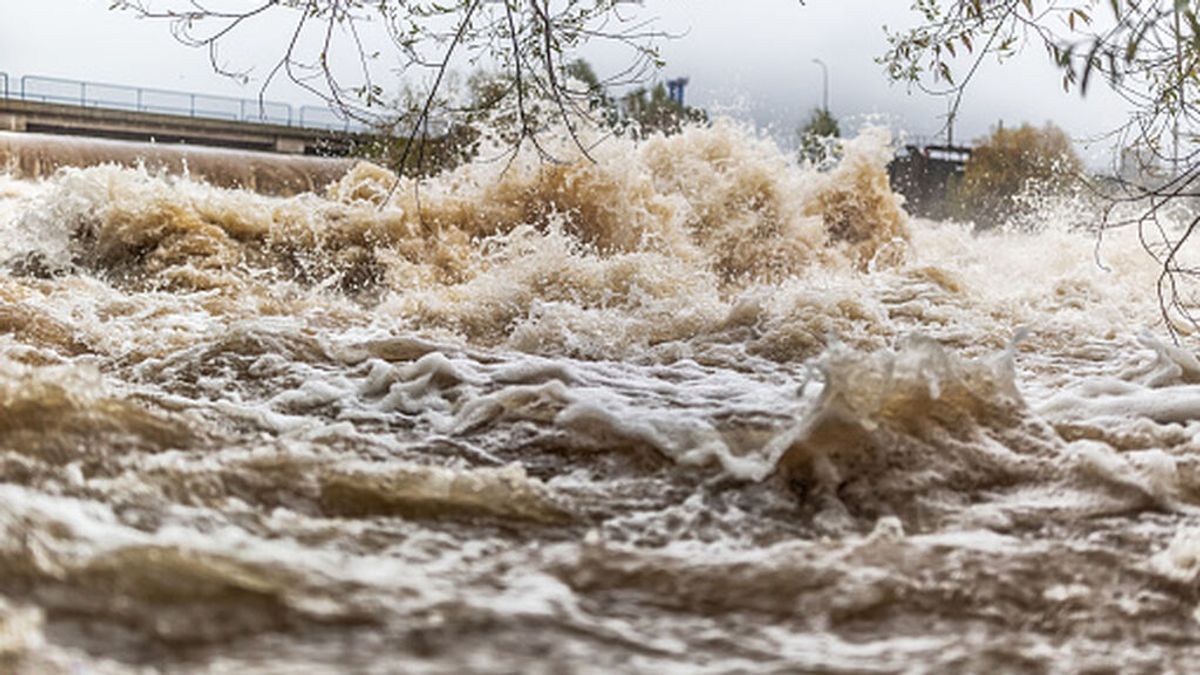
x: 688, y: 407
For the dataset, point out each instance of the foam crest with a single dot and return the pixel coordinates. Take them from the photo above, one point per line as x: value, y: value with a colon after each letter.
x: 654, y: 237
x: 895, y: 431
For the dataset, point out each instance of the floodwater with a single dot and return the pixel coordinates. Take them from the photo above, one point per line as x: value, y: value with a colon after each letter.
x: 687, y: 409
x: 34, y: 155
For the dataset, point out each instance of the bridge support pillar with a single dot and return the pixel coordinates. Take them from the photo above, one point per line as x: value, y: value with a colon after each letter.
x: 12, y: 122
x: 292, y: 146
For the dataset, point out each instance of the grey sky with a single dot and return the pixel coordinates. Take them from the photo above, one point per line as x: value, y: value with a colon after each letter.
x: 750, y: 57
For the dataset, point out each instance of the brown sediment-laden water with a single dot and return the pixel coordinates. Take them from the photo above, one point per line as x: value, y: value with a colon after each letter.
x: 35, y: 156
x: 686, y: 409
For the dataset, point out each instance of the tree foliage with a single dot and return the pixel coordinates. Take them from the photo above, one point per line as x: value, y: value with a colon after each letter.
x: 475, y: 104
x: 817, y: 137
x: 645, y: 111
x: 1008, y: 163
x: 1146, y: 50
x: 328, y: 51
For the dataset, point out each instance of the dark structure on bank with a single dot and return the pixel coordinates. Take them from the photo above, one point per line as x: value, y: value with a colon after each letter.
x: 926, y: 175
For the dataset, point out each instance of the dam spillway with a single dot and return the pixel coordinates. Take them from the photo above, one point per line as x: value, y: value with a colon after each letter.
x: 34, y: 155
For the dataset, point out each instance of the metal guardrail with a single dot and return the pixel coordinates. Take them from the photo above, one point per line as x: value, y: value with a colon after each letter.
x: 317, y: 117
x: 179, y: 103
x: 162, y: 101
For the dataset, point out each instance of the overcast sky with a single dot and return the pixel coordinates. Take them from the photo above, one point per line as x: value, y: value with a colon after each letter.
x: 752, y: 58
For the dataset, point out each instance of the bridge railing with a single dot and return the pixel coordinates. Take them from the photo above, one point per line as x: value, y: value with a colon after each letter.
x: 179, y: 103
x: 144, y: 99
x: 320, y: 117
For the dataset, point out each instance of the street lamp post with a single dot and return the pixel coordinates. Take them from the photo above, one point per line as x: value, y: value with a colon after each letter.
x: 825, y: 81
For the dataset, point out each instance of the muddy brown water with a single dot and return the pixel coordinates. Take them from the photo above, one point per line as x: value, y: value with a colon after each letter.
x: 687, y: 409
x: 35, y: 156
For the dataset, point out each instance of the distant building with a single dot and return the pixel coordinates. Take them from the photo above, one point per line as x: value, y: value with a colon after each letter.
x: 675, y: 89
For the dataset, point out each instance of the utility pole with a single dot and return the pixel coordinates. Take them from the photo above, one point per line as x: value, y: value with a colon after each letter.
x: 825, y: 89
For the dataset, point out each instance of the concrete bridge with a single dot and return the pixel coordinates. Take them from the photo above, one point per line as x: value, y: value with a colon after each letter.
x: 72, y: 107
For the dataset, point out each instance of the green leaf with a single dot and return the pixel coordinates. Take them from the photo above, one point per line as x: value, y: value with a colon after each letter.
x: 944, y: 71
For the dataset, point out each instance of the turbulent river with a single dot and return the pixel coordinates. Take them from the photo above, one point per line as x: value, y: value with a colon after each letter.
x: 686, y: 409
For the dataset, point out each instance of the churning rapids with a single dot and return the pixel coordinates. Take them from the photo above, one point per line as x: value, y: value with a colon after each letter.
x: 686, y: 409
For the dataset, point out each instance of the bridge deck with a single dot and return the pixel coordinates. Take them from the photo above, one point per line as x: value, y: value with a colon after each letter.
x: 67, y: 107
